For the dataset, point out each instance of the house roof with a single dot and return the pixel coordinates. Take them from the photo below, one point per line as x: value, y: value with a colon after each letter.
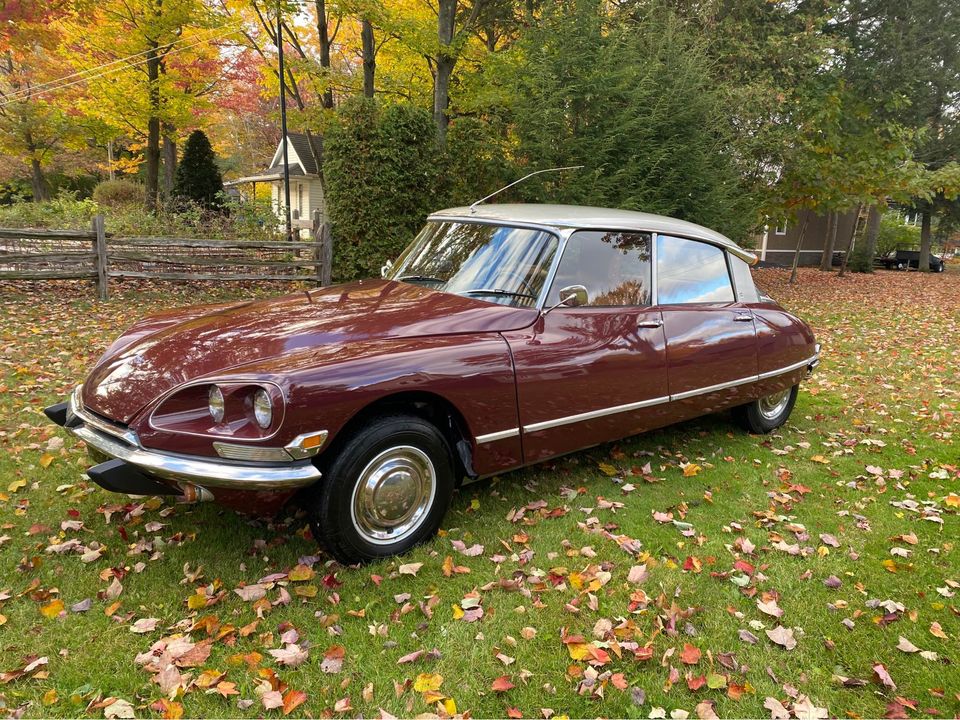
x: 308, y: 151
x: 269, y: 175
x: 595, y: 218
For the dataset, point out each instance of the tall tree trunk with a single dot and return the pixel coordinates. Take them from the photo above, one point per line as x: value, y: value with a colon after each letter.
x: 830, y: 241
x: 323, y: 32
x: 152, y: 179
x: 925, y: 239
x: 169, y: 160
x: 369, y: 57
x: 853, y: 237
x: 796, y: 254
x: 446, y: 60
x: 38, y: 181
x: 873, y: 232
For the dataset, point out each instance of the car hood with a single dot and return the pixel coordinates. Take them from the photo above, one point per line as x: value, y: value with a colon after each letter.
x: 160, y: 353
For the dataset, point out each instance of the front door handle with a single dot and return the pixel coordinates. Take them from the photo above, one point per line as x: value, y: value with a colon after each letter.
x: 743, y: 318
x: 650, y: 323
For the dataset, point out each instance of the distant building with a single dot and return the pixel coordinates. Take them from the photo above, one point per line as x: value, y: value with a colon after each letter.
x: 304, y: 158
x: 777, y: 245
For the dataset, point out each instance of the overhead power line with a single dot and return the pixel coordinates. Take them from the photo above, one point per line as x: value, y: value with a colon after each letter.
x: 59, y: 84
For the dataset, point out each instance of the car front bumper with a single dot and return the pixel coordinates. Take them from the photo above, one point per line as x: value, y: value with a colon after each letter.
x: 135, y: 469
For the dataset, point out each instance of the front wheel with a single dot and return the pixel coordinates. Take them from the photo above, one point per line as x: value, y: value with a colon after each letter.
x: 384, y: 491
x: 766, y: 414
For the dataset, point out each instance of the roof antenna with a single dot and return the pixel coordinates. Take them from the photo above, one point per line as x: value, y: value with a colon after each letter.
x: 517, y: 182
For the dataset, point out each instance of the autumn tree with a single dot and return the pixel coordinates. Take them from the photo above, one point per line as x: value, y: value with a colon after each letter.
x: 150, y: 48
x: 33, y: 126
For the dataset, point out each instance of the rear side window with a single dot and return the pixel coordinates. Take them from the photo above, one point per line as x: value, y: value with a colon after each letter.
x: 689, y: 271
x: 743, y: 280
x: 614, y: 267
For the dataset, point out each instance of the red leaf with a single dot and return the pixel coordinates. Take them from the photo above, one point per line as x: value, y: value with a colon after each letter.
x: 501, y: 684
x: 690, y: 654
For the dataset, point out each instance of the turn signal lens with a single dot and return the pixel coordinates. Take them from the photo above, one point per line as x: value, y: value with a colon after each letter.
x: 215, y: 397
x: 262, y: 409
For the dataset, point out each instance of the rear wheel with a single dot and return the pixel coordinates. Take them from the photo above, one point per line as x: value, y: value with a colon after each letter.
x: 767, y: 413
x: 384, y: 491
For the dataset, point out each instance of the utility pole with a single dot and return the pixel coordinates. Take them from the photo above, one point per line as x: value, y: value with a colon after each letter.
x: 283, y: 126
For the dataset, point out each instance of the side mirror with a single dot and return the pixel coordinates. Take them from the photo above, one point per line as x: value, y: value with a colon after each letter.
x: 386, y: 268
x: 570, y: 296
x: 573, y: 296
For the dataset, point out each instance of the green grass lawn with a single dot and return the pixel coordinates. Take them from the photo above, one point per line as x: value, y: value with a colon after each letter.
x: 860, y: 487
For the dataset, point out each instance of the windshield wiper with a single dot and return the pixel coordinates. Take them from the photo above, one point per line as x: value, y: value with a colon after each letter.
x: 420, y: 278
x: 498, y: 291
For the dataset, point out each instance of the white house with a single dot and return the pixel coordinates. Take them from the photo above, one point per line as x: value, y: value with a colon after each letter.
x: 306, y: 190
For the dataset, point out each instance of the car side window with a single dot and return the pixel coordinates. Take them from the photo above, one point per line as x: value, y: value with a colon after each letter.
x: 743, y: 280
x: 689, y: 271
x: 613, y: 266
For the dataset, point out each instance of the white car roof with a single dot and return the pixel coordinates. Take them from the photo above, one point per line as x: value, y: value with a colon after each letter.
x: 591, y: 218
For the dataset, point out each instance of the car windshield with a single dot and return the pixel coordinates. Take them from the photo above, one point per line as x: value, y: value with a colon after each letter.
x: 495, y: 263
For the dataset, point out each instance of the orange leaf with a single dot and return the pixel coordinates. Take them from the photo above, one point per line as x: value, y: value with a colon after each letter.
x: 501, y: 684
x: 293, y: 699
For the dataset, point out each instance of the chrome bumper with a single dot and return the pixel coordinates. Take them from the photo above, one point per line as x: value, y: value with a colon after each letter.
x: 124, y: 445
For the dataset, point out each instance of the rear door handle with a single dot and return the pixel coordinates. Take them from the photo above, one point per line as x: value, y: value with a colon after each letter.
x: 650, y: 323
x: 743, y: 318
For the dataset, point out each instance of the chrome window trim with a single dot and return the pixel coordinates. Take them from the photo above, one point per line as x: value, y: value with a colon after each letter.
x: 494, y: 436
x: 654, y: 271
x: 603, y: 412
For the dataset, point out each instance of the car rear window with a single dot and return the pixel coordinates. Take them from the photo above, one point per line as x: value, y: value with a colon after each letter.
x: 689, y: 271
x: 743, y: 280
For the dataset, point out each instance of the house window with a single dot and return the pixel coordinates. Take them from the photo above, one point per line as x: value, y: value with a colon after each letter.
x: 781, y: 228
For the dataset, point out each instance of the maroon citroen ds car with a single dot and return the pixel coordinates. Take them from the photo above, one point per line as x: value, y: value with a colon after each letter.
x: 504, y: 335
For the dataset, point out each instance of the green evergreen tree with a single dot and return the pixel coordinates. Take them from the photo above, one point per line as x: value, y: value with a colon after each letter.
x: 382, y: 167
x: 198, y: 177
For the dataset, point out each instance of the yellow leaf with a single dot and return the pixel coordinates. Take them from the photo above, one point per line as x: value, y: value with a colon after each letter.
x: 457, y: 612
x: 823, y: 551
x: 691, y: 469
x: 889, y: 565
x: 45, y: 460
x: 578, y: 651
x: 197, y: 601
x: 426, y: 682
x: 16, y: 485
x: 450, y: 706
x: 307, y: 591
x: 474, y: 504
x: 108, y: 611
x: 52, y: 609
x: 301, y: 573
x: 607, y: 469
x: 3, y: 619
x: 820, y: 459
x: 50, y: 697
x: 953, y: 500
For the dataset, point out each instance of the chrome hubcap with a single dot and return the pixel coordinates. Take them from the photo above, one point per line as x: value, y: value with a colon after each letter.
x: 772, y: 405
x: 393, y: 495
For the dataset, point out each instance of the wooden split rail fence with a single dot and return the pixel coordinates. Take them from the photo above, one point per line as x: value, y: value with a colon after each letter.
x: 30, y: 254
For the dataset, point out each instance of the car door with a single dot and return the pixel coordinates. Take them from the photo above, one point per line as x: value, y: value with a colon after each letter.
x: 711, y: 337
x: 597, y: 372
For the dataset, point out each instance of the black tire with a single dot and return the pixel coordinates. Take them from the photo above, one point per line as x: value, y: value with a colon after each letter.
x: 414, y: 447
x: 761, y: 416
